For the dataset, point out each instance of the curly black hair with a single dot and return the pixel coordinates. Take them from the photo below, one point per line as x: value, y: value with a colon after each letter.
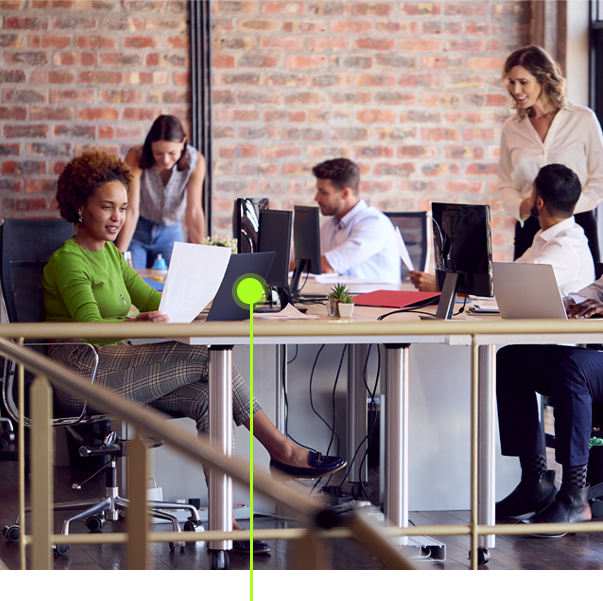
x: 83, y: 175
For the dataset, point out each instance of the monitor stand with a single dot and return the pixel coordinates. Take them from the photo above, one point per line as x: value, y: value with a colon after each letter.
x: 447, y: 297
x: 301, y: 265
x: 284, y: 295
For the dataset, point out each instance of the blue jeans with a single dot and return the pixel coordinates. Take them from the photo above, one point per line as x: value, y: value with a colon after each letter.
x: 152, y: 239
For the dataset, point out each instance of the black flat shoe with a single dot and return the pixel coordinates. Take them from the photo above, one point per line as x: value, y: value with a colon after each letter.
x: 535, y: 492
x: 319, y: 465
x: 570, y: 506
x: 242, y: 546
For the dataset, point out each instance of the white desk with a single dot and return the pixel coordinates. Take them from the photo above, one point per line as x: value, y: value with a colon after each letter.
x: 396, y: 394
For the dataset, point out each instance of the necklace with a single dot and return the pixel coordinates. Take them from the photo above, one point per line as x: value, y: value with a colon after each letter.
x: 91, y: 254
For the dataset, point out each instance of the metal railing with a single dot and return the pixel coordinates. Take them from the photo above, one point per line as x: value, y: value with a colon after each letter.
x: 138, y: 534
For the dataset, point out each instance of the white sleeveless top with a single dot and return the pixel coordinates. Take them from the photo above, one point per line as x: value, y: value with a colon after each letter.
x: 165, y: 205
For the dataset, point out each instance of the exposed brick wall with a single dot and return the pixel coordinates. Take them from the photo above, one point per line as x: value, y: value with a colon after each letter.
x: 409, y: 90
x: 79, y: 74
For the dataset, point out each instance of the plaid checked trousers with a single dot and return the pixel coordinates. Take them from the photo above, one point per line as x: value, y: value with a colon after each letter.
x: 169, y: 376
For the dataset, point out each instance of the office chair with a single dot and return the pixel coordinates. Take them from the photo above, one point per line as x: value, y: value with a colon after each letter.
x: 415, y: 233
x: 26, y: 245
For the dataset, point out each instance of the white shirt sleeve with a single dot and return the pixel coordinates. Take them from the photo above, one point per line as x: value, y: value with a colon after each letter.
x: 509, y: 194
x: 592, y: 190
x: 594, y: 291
x: 563, y: 259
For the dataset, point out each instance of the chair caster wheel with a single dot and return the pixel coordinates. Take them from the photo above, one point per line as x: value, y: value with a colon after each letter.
x: 95, y: 523
x: 176, y: 545
x: 220, y: 560
x: 61, y: 550
x: 12, y: 533
x: 483, y: 556
x: 193, y: 526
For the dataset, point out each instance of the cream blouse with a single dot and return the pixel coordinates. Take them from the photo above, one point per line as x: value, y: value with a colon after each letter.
x: 574, y: 140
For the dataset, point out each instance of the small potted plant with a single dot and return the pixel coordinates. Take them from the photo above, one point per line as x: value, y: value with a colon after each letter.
x: 337, y: 292
x: 346, y: 305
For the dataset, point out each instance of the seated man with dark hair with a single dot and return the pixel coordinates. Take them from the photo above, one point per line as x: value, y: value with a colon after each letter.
x: 359, y: 240
x: 571, y: 376
x: 560, y: 242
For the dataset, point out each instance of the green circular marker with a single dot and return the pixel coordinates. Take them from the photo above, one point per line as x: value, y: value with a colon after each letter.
x: 250, y: 291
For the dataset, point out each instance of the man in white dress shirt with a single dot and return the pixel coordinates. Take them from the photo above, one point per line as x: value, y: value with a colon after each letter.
x: 358, y: 240
x: 571, y: 376
x: 560, y: 242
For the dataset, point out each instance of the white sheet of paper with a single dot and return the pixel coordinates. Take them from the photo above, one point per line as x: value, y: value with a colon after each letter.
x: 402, y: 250
x: 289, y: 312
x: 330, y: 279
x: 195, y: 274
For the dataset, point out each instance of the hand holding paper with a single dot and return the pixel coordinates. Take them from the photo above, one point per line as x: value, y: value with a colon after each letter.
x: 195, y: 274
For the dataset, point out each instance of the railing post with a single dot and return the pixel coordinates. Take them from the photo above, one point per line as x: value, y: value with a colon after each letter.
x: 21, y: 455
x: 309, y: 553
x: 138, y: 522
x: 41, y: 475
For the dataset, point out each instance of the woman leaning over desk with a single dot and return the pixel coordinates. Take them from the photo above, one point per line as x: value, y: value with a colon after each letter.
x: 545, y: 129
x: 168, y: 184
x: 88, y: 280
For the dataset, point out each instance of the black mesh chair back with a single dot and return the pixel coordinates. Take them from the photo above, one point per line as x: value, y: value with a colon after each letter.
x: 413, y: 227
x: 26, y: 245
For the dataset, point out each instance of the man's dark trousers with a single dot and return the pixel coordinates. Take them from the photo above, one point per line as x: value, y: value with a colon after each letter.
x: 571, y: 376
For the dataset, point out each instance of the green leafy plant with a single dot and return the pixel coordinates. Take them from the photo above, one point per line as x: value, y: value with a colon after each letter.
x: 338, y: 291
x: 347, y: 299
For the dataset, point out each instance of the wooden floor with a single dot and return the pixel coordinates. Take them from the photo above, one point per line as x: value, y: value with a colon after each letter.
x: 572, y: 552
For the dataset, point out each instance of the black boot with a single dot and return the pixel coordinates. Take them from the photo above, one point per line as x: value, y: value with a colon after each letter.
x: 534, y: 493
x: 571, y: 505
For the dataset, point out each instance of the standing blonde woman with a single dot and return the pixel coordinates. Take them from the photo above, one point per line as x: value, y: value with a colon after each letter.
x: 546, y: 128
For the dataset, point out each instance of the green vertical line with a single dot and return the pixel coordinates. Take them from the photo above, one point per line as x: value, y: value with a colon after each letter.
x: 251, y: 452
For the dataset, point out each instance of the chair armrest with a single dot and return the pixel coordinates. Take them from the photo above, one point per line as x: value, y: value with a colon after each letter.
x: 7, y: 385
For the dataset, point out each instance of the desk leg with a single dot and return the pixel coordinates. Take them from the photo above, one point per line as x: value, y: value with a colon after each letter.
x: 357, y: 421
x: 486, y: 442
x: 396, y: 436
x: 220, y: 435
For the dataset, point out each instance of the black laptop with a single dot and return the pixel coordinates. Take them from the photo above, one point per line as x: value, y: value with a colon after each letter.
x: 224, y: 306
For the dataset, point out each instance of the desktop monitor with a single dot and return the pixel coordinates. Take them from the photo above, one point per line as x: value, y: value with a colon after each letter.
x: 246, y: 223
x: 275, y: 235
x: 463, y: 252
x: 306, y: 243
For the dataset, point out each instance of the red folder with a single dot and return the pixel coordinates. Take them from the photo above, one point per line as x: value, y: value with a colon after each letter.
x: 396, y: 299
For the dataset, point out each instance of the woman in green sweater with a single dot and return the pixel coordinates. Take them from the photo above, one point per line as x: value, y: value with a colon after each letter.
x: 88, y: 280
